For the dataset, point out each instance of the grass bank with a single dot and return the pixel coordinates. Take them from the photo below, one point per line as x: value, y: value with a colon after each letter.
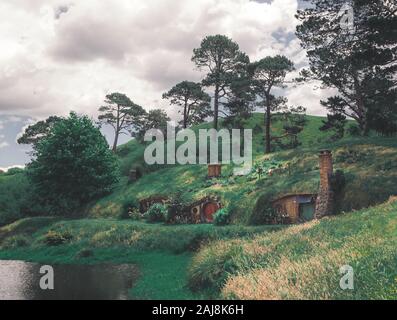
x: 162, y: 253
x: 303, y: 261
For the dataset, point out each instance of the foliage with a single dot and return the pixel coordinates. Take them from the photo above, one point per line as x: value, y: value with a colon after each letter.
x: 16, y: 241
x: 222, y: 217
x: 15, y: 197
x: 268, y: 74
x: 263, y: 213
x: 194, y: 101
x: 72, y: 166
x: 121, y: 114
x: 336, y: 123
x: 157, y: 213
x: 35, y: 132
x: 156, y: 119
x: 357, y: 59
x: 338, y: 185
x: 53, y: 238
x: 222, y: 57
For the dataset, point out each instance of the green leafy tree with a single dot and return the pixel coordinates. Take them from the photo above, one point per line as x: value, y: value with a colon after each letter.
x: 35, y: 132
x: 192, y: 99
x: 335, y: 122
x: 241, y: 99
x: 154, y: 119
x: 268, y: 74
x: 121, y: 114
x: 293, y: 122
x: 357, y: 57
x: 221, y: 57
x: 72, y: 166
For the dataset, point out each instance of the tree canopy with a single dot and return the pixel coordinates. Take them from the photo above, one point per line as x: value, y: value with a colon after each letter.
x: 123, y: 115
x: 356, y: 57
x: 195, y: 103
x: 72, y: 166
x: 222, y: 58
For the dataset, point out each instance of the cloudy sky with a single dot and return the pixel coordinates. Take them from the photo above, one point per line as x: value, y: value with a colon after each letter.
x: 62, y: 55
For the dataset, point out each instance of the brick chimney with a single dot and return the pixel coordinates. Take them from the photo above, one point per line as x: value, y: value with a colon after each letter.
x: 325, y: 198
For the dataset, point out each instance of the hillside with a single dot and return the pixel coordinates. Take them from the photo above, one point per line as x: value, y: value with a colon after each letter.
x: 368, y: 164
x: 303, y: 262
x: 236, y: 261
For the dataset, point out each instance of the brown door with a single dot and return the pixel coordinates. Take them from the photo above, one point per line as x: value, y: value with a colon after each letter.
x: 209, y: 210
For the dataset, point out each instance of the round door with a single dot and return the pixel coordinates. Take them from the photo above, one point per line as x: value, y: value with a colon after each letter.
x: 209, y: 210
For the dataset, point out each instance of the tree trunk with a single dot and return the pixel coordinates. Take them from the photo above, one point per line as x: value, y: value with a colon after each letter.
x: 268, y: 148
x: 185, y: 115
x: 216, y: 106
x: 117, y: 131
x: 115, y: 143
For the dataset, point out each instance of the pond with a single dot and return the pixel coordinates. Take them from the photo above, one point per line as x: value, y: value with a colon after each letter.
x: 21, y: 281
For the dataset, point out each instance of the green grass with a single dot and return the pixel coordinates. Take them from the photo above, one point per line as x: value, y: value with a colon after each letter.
x: 161, y: 252
x: 302, y: 262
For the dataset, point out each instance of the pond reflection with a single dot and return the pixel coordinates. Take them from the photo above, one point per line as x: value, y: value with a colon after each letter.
x: 21, y: 281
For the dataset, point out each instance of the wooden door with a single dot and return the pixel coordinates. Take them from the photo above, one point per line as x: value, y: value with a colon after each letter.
x: 209, y: 210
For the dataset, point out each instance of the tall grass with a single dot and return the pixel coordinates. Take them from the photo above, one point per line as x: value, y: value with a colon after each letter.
x: 303, y: 262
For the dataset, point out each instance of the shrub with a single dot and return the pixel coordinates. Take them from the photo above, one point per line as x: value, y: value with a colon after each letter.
x: 157, y: 213
x: 263, y: 212
x: 135, y: 215
x: 128, y: 206
x: 16, y: 242
x: 222, y: 217
x: 54, y: 238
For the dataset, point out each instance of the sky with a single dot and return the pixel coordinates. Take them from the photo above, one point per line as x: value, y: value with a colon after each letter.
x: 63, y: 55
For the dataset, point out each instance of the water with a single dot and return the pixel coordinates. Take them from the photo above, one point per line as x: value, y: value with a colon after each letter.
x: 21, y: 281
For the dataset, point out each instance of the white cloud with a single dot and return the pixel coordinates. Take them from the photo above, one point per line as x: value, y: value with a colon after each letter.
x: 63, y: 56
x: 5, y: 169
x: 3, y: 144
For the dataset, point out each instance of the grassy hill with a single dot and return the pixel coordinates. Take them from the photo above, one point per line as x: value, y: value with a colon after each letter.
x: 236, y: 261
x: 303, y: 261
x: 368, y: 163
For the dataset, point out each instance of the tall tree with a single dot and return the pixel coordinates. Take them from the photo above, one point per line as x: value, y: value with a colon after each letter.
x: 123, y: 115
x: 268, y: 74
x: 221, y: 57
x: 241, y: 100
x: 154, y: 119
x: 35, y: 132
x: 192, y: 99
x: 353, y: 50
x: 72, y: 166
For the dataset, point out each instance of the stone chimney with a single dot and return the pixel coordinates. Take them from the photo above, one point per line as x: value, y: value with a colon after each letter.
x: 325, y: 198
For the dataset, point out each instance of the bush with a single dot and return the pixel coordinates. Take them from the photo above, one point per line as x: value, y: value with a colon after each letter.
x: 263, y: 212
x: 135, y: 215
x: 75, y: 163
x: 17, y: 241
x: 128, y: 206
x: 157, y: 213
x: 222, y: 217
x: 53, y: 238
x: 15, y: 198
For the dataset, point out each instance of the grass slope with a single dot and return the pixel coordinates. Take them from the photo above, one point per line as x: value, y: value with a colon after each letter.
x: 369, y: 165
x: 303, y: 262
